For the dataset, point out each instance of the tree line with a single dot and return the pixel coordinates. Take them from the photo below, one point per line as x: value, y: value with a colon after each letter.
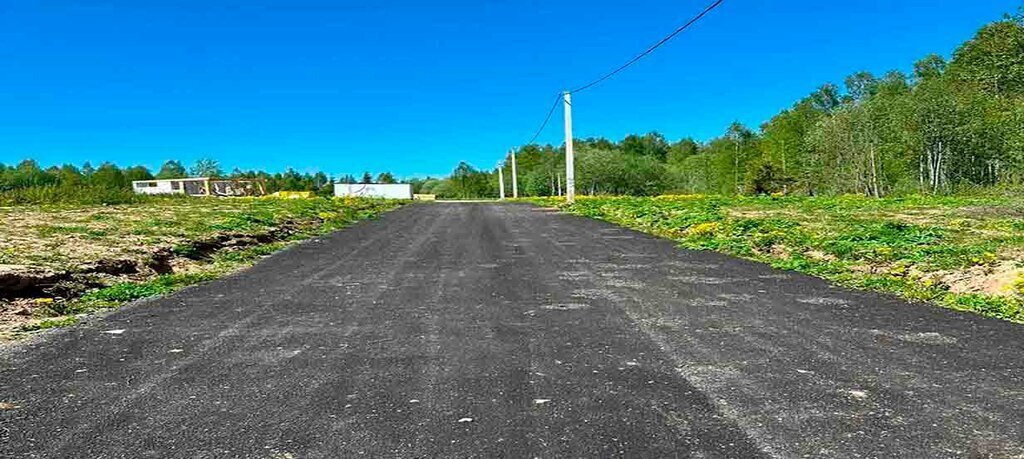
x: 28, y: 174
x: 949, y: 126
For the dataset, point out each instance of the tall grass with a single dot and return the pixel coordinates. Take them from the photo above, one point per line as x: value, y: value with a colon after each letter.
x: 82, y: 195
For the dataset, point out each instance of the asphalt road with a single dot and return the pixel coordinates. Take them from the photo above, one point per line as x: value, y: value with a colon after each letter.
x: 457, y: 330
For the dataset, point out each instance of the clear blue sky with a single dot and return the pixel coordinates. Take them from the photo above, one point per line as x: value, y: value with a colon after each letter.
x: 413, y: 86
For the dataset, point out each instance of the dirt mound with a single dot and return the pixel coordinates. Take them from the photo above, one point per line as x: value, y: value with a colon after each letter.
x: 999, y: 279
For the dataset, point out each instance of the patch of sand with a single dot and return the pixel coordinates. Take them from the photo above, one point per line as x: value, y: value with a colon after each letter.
x: 998, y: 279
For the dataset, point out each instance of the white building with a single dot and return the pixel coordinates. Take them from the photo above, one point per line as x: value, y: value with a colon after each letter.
x: 374, y: 190
x: 200, y: 186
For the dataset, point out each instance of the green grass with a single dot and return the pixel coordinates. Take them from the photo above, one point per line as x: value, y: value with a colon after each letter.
x: 249, y: 254
x: 53, y: 230
x: 52, y: 322
x: 129, y: 291
x: 906, y: 246
x: 114, y: 296
x: 60, y: 237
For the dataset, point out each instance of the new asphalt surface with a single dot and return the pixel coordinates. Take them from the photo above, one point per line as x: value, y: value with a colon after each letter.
x: 488, y: 330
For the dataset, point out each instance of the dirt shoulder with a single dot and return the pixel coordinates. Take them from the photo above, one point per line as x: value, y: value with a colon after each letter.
x: 58, y: 262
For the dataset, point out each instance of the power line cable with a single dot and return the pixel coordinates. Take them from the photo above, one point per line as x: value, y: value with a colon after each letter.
x: 652, y: 48
x: 649, y: 50
x: 547, y: 118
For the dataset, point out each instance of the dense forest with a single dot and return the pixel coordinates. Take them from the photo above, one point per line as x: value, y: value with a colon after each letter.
x: 947, y: 127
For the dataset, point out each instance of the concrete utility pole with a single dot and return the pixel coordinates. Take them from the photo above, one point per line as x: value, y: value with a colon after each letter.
x: 570, y: 174
x: 515, y: 179
x: 501, y: 181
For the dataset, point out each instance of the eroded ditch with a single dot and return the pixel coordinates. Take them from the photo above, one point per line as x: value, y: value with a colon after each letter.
x: 24, y: 289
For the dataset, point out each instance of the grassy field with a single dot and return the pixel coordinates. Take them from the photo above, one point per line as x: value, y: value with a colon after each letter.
x: 58, y: 262
x: 962, y: 253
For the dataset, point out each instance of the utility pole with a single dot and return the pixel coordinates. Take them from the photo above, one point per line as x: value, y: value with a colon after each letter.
x: 515, y: 180
x: 501, y: 181
x: 570, y: 174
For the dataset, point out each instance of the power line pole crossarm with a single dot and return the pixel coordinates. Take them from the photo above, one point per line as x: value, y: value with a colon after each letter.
x: 570, y: 174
